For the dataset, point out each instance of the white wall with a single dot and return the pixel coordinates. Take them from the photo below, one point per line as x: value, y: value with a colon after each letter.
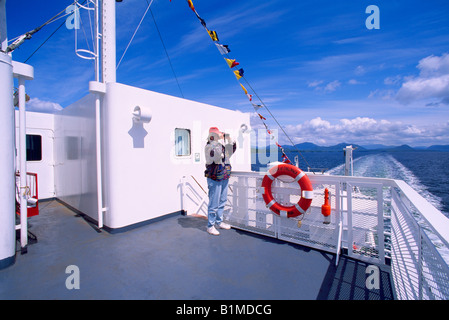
x: 142, y: 173
x: 75, y: 157
x: 41, y: 124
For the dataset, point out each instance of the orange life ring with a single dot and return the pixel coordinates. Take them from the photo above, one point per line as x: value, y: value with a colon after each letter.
x: 299, y: 176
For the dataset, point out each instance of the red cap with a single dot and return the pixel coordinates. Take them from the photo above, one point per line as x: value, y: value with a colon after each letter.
x: 214, y: 130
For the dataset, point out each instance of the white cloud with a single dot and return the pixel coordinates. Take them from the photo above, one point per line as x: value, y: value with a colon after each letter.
x: 382, y: 94
x: 315, y: 83
x: 360, y: 70
x: 354, y: 82
x: 431, y: 84
x: 365, y: 130
x: 320, y: 86
x: 434, y: 66
x: 37, y: 105
x: 392, y: 80
x: 332, y: 86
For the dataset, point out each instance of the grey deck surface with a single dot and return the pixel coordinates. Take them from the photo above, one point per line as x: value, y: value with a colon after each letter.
x: 176, y: 259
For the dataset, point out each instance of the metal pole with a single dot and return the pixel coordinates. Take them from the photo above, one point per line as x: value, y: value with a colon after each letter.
x: 98, y: 154
x: 3, y: 29
x: 23, y: 167
x: 7, y: 174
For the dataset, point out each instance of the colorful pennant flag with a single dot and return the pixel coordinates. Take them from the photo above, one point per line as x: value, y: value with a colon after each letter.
x: 223, y: 48
x: 231, y: 63
x: 190, y: 5
x: 244, y: 89
x: 239, y: 73
x: 285, y: 159
x: 213, y: 35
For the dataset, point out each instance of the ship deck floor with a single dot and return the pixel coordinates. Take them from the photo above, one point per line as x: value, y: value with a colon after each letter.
x: 175, y: 258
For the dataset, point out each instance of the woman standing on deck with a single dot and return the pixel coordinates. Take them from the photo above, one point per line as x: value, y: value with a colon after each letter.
x: 218, y: 150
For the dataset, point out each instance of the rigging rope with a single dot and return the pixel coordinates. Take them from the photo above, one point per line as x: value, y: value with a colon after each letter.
x: 26, y: 36
x: 138, y: 26
x: 162, y: 41
x: 224, y: 50
x: 166, y: 53
x: 48, y: 38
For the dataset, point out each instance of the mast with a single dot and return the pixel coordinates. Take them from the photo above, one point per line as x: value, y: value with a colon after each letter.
x: 108, y: 39
x: 98, y: 87
x: 3, y: 34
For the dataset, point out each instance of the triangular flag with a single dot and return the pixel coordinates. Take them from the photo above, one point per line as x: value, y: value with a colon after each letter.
x: 223, y: 48
x: 256, y: 106
x: 190, y: 5
x: 238, y: 73
x: 261, y: 117
x: 232, y: 63
x: 213, y: 35
x: 244, y: 89
x: 250, y: 97
x: 285, y: 158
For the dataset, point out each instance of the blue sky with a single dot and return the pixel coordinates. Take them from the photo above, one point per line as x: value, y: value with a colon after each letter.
x: 324, y: 76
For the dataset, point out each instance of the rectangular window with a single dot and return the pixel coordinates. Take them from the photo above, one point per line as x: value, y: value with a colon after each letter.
x: 182, y: 142
x: 34, y: 147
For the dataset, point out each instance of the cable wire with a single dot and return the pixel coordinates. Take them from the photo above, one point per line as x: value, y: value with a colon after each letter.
x: 166, y: 53
x: 138, y: 26
x: 48, y: 38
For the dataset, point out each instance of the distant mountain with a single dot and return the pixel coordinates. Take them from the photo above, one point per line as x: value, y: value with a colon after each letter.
x: 308, y: 146
x: 341, y: 146
x: 404, y: 147
x: 439, y: 148
x: 377, y: 146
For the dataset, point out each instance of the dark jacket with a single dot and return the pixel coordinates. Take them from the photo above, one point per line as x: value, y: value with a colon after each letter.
x: 218, y: 166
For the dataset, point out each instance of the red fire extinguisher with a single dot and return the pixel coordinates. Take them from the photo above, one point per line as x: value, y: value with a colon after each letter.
x: 326, y: 208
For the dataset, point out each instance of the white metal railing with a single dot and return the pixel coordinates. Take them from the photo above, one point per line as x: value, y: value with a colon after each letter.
x: 380, y: 221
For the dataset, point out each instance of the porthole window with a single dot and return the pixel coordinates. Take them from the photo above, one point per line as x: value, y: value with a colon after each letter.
x: 182, y: 142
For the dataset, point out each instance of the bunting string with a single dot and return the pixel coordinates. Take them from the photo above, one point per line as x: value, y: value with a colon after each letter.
x: 239, y: 74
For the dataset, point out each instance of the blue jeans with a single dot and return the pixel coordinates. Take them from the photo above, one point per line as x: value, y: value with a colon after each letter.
x: 218, y: 193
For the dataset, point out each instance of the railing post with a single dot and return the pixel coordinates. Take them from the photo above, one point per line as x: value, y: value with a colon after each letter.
x: 420, y: 268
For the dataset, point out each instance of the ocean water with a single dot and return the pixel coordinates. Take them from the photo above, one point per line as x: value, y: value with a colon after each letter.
x: 425, y: 171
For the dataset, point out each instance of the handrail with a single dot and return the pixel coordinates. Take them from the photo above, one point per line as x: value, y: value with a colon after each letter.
x: 434, y: 218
